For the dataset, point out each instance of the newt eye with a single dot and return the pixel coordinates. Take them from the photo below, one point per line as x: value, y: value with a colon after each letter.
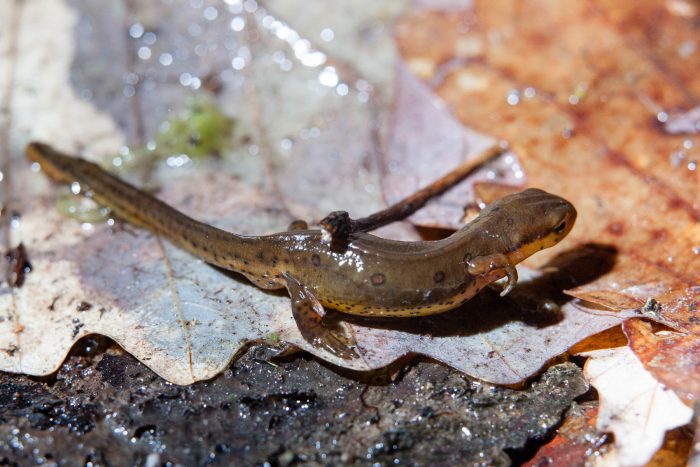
x: 560, y: 227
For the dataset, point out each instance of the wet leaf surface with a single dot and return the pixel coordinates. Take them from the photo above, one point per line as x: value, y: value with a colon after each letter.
x: 586, y: 93
x: 302, y: 125
x: 598, y: 102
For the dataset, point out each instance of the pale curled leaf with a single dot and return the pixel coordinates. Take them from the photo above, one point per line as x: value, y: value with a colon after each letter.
x: 633, y: 404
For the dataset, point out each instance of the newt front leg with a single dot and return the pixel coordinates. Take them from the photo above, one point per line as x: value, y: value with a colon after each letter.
x: 494, y: 265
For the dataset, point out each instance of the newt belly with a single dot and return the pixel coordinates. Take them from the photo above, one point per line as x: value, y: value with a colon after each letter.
x: 369, y: 276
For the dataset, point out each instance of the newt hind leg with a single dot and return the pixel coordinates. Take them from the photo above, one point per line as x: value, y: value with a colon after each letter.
x: 322, y: 334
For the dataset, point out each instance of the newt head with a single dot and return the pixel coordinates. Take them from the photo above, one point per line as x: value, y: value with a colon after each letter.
x: 532, y: 220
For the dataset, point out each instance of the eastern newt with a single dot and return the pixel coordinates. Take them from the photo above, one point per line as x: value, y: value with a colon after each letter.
x: 371, y: 276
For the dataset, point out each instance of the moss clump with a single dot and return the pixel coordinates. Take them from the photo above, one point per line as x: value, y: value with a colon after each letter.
x: 201, y: 130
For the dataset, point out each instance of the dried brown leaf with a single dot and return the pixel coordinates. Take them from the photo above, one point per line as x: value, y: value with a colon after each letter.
x: 580, y: 90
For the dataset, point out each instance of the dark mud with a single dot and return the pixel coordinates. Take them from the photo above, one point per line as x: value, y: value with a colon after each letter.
x: 104, y: 408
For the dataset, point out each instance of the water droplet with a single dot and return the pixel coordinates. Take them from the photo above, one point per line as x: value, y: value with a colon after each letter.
x: 129, y: 91
x: 363, y: 97
x: 529, y: 92
x: 185, y: 79
x: 670, y: 259
x: 144, y: 52
x: 696, y: 250
x: 235, y: 6
x: 342, y: 89
x: 238, y: 63
x: 177, y: 161
x: 238, y: 23
x: 2, y: 176
x: 149, y: 38
x: 253, y: 149
x: 35, y: 167
x: 513, y: 97
x: 315, y: 132
x: 86, y: 226
x: 573, y: 99
x: 677, y: 158
x: 211, y: 13
x: 165, y: 59
x: 328, y: 77
x: 692, y: 166
x: 131, y: 78
x: 662, y: 117
x: 250, y: 6
x: 327, y: 34
x: 200, y: 50
x: 75, y: 188
x: 136, y: 30
x: 117, y: 161
x: 286, y: 144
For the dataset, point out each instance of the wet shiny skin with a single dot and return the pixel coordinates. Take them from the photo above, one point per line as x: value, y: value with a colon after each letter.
x: 372, y: 276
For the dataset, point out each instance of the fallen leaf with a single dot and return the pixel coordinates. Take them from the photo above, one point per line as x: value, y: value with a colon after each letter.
x: 581, y: 92
x: 674, y: 358
x: 633, y: 404
x: 575, y: 441
x: 183, y: 318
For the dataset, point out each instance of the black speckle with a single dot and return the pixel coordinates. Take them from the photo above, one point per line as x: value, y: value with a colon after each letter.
x: 84, y: 306
x: 510, y: 222
x: 439, y: 277
x: 315, y: 259
x: 77, y: 328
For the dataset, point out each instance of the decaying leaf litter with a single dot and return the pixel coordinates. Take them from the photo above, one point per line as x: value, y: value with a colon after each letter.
x: 594, y: 128
x: 179, y: 317
x: 562, y: 124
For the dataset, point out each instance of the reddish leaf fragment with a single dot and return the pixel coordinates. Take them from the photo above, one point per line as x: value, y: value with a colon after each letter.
x: 585, y: 121
x: 673, y: 358
x: 575, y: 442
